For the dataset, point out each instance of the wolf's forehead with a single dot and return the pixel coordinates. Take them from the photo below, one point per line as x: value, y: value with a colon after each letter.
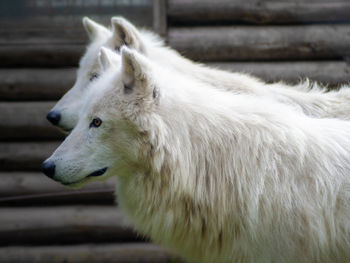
x: 106, y: 101
x: 89, y: 62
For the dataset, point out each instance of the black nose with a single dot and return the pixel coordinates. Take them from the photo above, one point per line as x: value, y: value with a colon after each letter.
x: 54, y: 117
x: 48, y: 168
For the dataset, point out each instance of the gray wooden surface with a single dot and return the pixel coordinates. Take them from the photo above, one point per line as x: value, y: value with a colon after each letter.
x: 237, y: 43
x: 35, y: 83
x: 258, y: 12
x: 91, y: 253
x: 64, y: 225
x: 18, y: 188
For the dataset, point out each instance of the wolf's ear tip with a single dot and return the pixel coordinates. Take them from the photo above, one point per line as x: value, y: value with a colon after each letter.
x: 117, y: 19
x: 127, y: 53
x: 85, y: 20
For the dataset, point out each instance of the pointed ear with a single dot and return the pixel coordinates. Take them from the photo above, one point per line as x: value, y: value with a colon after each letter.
x: 107, y: 58
x: 104, y: 60
x: 125, y: 33
x: 93, y: 29
x: 135, y: 72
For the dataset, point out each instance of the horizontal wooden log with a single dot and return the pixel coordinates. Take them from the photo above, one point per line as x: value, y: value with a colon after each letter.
x: 23, y: 188
x: 60, y: 224
x: 35, y: 84
x: 237, y: 43
x: 41, y: 55
x: 258, y: 12
x: 106, y: 253
x: 331, y: 73
x: 25, y: 156
x: 27, y: 183
x: 47, y: 35
x: 27, y: 120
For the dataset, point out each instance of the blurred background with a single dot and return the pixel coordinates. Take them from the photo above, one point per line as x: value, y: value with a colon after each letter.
x: 41, y: 42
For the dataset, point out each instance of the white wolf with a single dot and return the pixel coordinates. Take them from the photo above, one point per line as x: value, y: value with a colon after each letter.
x: 212, y: 175
x: 65, y: 114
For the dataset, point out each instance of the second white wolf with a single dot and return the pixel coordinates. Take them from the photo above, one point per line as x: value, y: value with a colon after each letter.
x: 305, y: 97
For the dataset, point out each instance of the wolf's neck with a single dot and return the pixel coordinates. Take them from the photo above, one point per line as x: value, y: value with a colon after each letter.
x: 171, y: 217
x: 235, y: 82
x: 312, y: 103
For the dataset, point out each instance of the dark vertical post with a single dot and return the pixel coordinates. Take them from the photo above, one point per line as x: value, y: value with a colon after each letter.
x: 160, y: 17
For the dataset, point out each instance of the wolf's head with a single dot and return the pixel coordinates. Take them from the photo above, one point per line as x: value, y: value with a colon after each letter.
x: 113, y: 123
x: 65, y: 112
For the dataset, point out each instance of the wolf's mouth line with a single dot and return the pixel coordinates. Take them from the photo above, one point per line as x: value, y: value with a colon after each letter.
x: 67, y: 130
x: 93, y: 174
x: 98, y: 172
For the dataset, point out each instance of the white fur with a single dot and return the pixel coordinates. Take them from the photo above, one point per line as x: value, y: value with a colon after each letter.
x: 70, y: 105
x: 212, y: 175
x: 315, y: 103
x: 308, y: 97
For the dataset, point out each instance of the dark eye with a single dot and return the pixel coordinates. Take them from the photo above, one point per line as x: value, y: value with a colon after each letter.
x: 96, y: 122
x: 93, y: 76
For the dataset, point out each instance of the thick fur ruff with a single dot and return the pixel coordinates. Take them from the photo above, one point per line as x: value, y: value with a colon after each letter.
x: 232, y: 178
